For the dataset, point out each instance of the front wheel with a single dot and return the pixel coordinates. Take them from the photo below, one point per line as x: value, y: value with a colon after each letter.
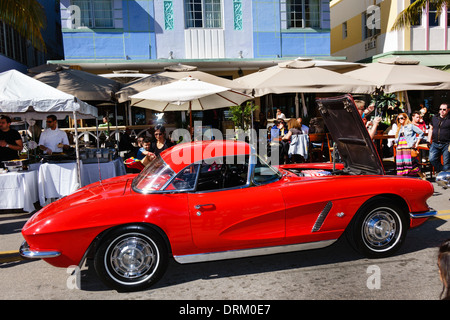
x: 379, y: 229
x: 131, y: 258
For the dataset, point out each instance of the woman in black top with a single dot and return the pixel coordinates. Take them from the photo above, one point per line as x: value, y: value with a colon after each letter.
x: 161, y: 142
x: 159, y: 145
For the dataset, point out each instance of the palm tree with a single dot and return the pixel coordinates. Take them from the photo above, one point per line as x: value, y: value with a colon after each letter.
x: 410, y: 15
x: 27, y: 17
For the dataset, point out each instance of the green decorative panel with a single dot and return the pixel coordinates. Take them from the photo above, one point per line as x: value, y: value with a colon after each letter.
x: 237, y: 8
x: 168, y: 15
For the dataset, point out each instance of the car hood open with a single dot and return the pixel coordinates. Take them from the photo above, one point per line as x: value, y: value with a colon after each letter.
x: 352, y: 139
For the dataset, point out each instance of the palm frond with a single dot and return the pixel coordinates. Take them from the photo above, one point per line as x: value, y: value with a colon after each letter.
x: 27, y: 17
x: 410, y: 15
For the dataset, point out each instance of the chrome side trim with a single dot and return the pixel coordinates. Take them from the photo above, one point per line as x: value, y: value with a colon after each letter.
x: 426, y: 214
x: 321, y: 217
x: 233, y: 254
x: 25, y: 252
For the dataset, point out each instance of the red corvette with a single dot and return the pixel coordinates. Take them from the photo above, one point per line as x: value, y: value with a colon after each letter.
x: 215, y: 200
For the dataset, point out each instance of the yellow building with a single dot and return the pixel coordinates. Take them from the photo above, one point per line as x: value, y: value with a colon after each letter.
x: 361, y: 30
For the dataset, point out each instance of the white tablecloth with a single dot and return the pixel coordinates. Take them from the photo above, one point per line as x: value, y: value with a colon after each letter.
x: 57, y: 180
x: 91, y: 172
x: 19, y: 190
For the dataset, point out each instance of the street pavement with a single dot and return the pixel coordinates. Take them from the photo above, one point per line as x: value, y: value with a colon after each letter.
x: 336, y: 272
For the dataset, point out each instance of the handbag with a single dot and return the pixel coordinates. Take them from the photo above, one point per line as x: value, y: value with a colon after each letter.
x: 414, y: 153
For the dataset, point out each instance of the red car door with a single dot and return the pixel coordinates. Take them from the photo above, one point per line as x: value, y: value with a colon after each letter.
x: 237, y: 217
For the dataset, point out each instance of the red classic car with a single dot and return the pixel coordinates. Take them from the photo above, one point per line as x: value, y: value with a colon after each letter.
x: 213, y: 200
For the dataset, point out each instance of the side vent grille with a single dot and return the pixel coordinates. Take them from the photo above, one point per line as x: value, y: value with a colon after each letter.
x: 322, y: 216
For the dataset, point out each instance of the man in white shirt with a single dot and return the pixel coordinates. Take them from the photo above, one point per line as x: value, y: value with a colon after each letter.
x: 53, y: 139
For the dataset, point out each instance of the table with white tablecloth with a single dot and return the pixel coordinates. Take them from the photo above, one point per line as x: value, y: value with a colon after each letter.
x: 93, y: 172
x: 19, y: 190
x: 57, y: 180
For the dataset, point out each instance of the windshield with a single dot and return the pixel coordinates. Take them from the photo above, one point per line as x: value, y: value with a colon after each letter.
x: 153, y: 177
x: 265, y: 173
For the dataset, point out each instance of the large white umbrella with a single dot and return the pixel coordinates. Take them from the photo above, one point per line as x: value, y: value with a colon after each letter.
x: 301, y: 76
x: 397, y: 74
x: 86, y: 86
x: 171, y: 74
x: 188, y: 94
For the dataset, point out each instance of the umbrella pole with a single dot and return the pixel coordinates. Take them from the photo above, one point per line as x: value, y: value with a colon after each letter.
x: 77, y: 151
x: 190, y: 120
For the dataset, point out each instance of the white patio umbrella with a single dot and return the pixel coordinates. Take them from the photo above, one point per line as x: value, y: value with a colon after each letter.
x: 301, y: 76
x: 396, y: 74
x: 188, y: 94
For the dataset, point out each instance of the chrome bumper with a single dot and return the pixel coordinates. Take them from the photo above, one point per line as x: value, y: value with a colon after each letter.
x: 426, y: 214
x: 25, y: 252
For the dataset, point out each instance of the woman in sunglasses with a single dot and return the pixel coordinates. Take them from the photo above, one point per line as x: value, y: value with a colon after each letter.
x: 157, y: 146
x: 407, y: 138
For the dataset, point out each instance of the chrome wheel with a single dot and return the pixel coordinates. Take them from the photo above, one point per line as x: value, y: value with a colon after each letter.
x: 381, y: 228
x: 133, y: 257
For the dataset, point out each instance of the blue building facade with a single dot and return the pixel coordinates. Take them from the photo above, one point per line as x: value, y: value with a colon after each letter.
x: 194, y: 29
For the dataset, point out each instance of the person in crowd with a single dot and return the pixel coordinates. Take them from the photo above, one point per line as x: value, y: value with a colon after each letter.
x: 284, y: 143
x: 372, y: 126
x: 417, y: 120
x: 159, y: 145
x: 280, y: 115
x: 406, y: 139
x: 145, y: 149
x: 297, y: 139
x: 53, y: 139
x: 439, y: 139
x: 304, y: 128
x: 444, y: 268
x: 425, y: 114
x: 105, y: 124
x: 10, y: 140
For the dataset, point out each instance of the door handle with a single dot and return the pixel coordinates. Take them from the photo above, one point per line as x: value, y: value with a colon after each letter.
x: 198, y: 206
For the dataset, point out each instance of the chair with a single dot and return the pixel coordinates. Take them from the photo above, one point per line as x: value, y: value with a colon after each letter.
x: 316, y: 144
x: 330, y: 147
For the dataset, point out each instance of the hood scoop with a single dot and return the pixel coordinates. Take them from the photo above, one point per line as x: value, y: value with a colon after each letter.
x: 356, y: 148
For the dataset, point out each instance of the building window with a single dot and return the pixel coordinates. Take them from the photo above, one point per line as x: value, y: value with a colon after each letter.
x: 12, y: 45
x: 303, y: 13
x: 368, y: 31
x: 344, y: 30
x: 203, y: 13
x: 95, y: 13
x: 433, y: 19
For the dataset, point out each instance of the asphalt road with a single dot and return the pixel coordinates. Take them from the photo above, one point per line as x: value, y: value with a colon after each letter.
x: 336, y: 272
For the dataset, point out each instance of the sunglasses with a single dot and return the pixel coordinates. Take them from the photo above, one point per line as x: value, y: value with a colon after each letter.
x: 442, y: 109
x: 401, y: 118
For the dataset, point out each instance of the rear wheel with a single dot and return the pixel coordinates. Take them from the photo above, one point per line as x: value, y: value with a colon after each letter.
x: 379, y: 229
x: 131, y: 258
